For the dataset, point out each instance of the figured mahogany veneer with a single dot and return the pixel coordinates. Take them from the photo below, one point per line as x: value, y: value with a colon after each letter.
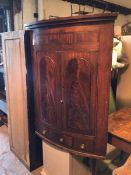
x: 71, y: 69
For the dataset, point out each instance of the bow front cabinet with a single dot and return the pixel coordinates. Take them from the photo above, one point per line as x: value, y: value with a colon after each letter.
x: 71, y: 78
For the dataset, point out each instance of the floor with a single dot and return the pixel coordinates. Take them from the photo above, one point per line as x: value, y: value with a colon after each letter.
x: 114, y: 159
x: 10, y: 165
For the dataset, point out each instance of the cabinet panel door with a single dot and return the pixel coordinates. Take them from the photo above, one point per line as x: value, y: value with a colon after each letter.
x: 17, y: 97
x: 20, y: 98
x: 47, y: 89
x: 79, y: 91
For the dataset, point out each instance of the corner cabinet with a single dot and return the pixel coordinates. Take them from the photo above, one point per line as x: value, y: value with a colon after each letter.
x: 19, y: 94
x: 71, y: 69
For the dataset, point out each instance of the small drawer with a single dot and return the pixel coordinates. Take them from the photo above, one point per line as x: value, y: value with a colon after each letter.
x: 64, y: 140
x: 56, y: 137
x: 83, y: 145
x: 53, y: 136
x: 67, y: 140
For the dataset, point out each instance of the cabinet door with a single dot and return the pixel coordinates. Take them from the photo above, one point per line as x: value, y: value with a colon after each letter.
x: 20, y: 99
x: 14, y: 59
x: 47, y: 91
x: 79, y: 92
x: 79, y: 99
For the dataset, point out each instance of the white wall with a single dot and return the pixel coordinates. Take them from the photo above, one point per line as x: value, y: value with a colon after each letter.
x: 26, y: 15
x: 59, y: 8
x: 46, y: 8
x: 123, y: 96
x: 62, y: 9
x: 126, y: 3
x: 29, y: 8
x: 55, y: 8
x: 58, y: 162
x: 18, y: 24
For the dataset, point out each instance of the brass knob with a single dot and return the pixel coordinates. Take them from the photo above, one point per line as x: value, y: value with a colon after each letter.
x: 82, y: 146
x: 44, y: 132
x: 61, y: 101
x: 61, y: 140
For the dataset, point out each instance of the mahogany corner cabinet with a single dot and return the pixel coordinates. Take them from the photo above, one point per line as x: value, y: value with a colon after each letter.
x: 71, y: 76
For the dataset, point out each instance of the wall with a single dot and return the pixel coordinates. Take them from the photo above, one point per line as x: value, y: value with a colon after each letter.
x: 47, y: 8
x: 58, y: 162
x: 124, y: 85
x: 29, y: 8
x: 61, y: 9
x: 26, y: 15
x: 126, y: 3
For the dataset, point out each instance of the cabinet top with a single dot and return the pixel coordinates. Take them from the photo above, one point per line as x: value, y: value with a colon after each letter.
x: 75, y: 20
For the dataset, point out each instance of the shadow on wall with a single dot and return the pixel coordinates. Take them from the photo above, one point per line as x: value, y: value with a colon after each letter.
x: 123, y: 96
x: 121, y: 103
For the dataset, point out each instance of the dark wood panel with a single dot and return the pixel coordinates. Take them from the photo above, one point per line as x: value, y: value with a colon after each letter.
x: 48, y: 69
x: 78, y: 75
x: 48, y: 87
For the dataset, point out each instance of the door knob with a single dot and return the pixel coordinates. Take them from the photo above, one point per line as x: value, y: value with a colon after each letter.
x: 82, y: 146
x: 61, y: 140
x: 61, y: 101
x: 44, y: 132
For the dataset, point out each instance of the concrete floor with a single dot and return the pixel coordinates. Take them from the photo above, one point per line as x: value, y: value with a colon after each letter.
x: 10, y: 165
